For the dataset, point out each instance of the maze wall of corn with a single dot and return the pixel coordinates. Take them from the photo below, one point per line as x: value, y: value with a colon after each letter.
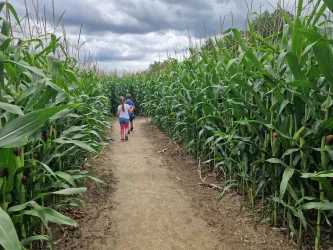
x: 53, y: 114
x: 259, y: 111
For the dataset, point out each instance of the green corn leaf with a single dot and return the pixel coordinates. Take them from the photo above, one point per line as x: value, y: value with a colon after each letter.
x: 312, y: 35
x: 16, y: 130
x: 5, y: 29
x: 12, y: 10
x: 52, y: 216
x: 66, y: 177
x: 28, y: 240
x: 96, y: 180
x: 325, y: 180
x: 299, y: 8
x: 47, y: 168
x: 324, y: 57
x: 323, y: 174
x: 35, y: 91
x: 34, y: 205
x: 287, y: 174
x: 21, y: 207
x: 253, y: 59
x: 305, y: 198
x: 71, y: 191
x: 302, y: 218
x: 66, y: 191
x: 80, y: 144
x: 11, y: 108
x: 324, y: 128
x: 2, y: 76
x: 290, y: 151
x: 8, y: 237
x: 285, y: 16
x: 292, y: 192
x: 247, y: 87
x: 291, y: 209
x: 267, y: 125
x: 329, y: 4
x: 284, y: 104
x: 226, y: 189
x: 73, y: 129
x: 317, y: 205
x: 277, y: 161
x: 239, y: 39
x: 328, y: 151
x: 53, y: 43
x: 7, y: 160
x: 48, y: 95
x: 59, y: 185
x: 317, y: 14
x: 303, y: 84
x: 63, y: 113
x: 23, y: 64
x: 295, y: 66
x: 209, y: 140
x: 297, y: 39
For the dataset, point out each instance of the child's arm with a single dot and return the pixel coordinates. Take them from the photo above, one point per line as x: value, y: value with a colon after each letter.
x: 118, y: 112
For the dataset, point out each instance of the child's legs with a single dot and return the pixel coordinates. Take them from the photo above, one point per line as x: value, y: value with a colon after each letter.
x: 122, y: 122
x: 126, y: 127
x: 131, y: 120
x: 122, y: 129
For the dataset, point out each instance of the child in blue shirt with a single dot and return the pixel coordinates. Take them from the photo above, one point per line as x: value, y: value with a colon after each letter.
x: 130, y: 102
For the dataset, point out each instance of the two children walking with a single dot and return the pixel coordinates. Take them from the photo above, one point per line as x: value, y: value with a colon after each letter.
x: 126, y: 115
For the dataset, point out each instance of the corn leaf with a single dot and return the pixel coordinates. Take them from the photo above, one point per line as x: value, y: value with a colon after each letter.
x: 287, y: 174
x: 27, y: 241
x: 71, y: 191
x: 317, y: 205
x: 324, y: 56
x: 323, y: 129
x: 8, y: 237
x: 52, y: 216
x: 80, y: 144
x: 294, y: 66
x: 11, y: 108
x: 277, y: 161
x: 329, y: 4
x: 24, y: 126
x: 66, y: 177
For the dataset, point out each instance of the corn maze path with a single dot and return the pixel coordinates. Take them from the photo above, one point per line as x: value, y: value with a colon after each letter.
x: 150, y: 210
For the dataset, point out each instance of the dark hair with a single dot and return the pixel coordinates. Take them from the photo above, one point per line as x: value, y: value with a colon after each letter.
x: 122, y: 101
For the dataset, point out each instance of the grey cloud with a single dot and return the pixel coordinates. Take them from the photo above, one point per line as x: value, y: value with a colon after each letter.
x: 106, y: 55
x: 132, y: 33
x: 143, y: 16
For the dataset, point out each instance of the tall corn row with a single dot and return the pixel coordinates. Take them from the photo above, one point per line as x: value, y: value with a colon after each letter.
x: 52, y: 116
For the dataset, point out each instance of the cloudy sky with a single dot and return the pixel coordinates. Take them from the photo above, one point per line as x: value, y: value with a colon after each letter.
x: 130, y: 34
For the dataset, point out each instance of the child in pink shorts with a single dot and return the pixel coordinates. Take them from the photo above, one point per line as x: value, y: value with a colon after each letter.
x: 124, y: 117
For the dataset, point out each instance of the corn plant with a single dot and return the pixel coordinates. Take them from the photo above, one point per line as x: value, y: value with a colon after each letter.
x: 52, y: 116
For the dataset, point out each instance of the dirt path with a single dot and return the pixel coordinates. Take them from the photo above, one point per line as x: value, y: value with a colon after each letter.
x: 156, y: 203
